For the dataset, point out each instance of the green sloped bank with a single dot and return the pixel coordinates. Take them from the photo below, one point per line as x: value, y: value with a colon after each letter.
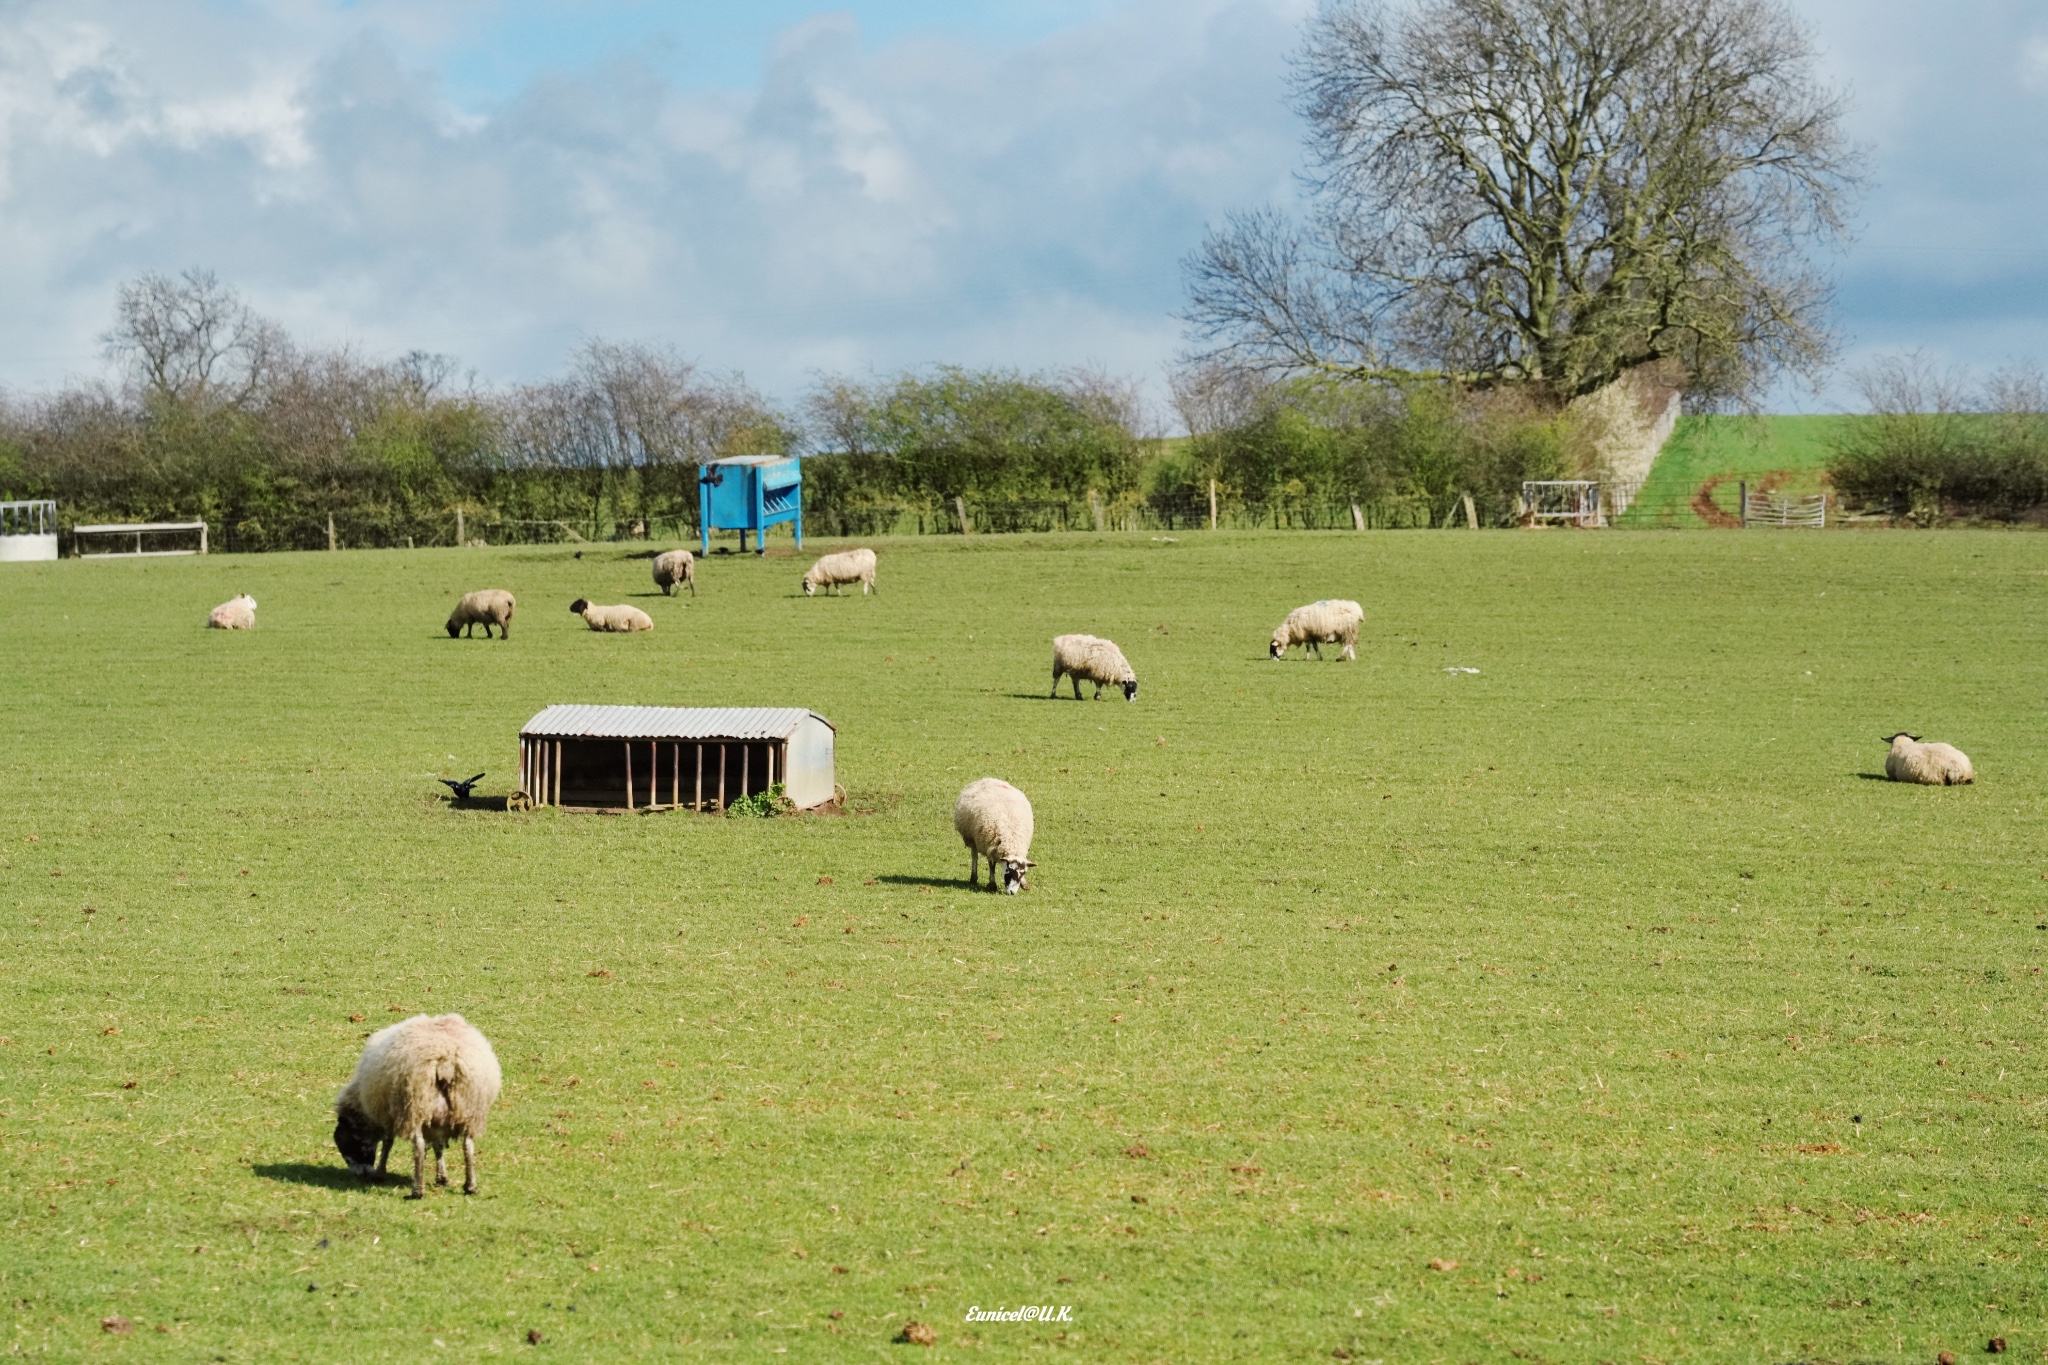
x: 1732, y: 449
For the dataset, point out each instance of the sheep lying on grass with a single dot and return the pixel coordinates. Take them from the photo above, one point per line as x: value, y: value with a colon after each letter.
x: 619, y: 620
x: 994, y: 820
x: 1317, y: 624
x: 848, y: 566
x: 1931, y: 765
x: 427, y: 1080
x: 237, y: 613
x: 1096, y: 659
x: 677, y: 566
x: 487, y: 607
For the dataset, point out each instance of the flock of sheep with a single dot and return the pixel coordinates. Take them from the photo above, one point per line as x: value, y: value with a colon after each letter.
x: 429, y: 1081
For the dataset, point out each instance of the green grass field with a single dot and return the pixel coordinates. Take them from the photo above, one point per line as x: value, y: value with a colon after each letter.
x: 1579, y: 972
x: 1789, y: 452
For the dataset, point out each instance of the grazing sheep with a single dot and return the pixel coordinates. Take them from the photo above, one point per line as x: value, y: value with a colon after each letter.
x: 488, y: 607
x: 1096, y: 659
x: 1319, y: 623
x: 237, y: 613
x: 1931, y: 765
x: 619, y: 620
x: 677, y: 566
x: 427, y: 1080
x: 848, y: 566
x: 994, y: 820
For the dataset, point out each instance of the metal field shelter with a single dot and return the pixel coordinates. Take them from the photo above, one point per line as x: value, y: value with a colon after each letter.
x: 669, y: 757
x: 750, y: 493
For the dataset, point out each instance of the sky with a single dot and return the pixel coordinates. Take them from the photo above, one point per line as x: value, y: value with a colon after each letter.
x: 786, y: 191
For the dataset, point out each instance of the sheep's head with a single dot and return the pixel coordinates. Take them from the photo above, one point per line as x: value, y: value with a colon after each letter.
x: 356, y: 1139
x: 1131, y: 689
x: 1893, y: 740
x: 579, y: 606
x: 1013, y: 875
x: 810, y: 588
x: 1278, y: 648
x: 454, y: 628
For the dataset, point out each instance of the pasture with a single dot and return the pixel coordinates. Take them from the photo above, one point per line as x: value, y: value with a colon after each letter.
x: 1606, y: 973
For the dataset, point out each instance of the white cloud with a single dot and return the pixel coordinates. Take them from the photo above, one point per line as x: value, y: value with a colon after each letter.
x: 926, y: 200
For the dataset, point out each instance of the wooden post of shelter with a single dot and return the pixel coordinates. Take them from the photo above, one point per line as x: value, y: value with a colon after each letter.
x: 1742, y: 494
x: 1212, y: 504
x: 628, y: 746
x: 959, y: 506
x: 330, y: 535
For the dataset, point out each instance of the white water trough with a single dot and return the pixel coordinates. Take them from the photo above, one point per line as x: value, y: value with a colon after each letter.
x: 28, y: 531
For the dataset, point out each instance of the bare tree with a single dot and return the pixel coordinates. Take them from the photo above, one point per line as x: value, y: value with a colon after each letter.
x: 193, y: 339
x: 1553, y: 191
x: 627, y: 404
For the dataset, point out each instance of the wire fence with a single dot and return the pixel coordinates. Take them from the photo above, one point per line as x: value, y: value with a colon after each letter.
x: 1716, y: 501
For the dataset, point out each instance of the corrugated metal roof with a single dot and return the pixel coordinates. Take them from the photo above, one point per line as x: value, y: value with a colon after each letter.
x: 668, y: 722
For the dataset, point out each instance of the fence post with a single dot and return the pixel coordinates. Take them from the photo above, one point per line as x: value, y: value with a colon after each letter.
x: 960, y: 506
x: 1095, y: 508
x: 1212, y: 504
x: 330, y: 532
x: 1471, y: 513
x: 1742, y: 492
x: 458, y: 528
x: 1357, y: 517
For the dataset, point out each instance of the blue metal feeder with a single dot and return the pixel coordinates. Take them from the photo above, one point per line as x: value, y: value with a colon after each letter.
x: 750, y: 493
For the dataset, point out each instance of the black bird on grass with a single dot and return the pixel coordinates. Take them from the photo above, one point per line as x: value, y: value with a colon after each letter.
x: 463, y: 788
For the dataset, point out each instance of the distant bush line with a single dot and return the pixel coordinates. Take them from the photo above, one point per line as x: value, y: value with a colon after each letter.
x: 217, y: 414
x: 1939, y: 447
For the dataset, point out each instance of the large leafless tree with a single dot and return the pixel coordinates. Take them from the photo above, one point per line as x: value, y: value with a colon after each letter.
x: 1553, y: 191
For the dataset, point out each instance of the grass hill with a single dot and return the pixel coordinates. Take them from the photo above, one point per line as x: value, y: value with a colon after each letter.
x: 1706, y: 460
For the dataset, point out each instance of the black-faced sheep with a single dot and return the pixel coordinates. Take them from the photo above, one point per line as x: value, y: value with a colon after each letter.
x: 1094, y: 658
x: 427, y: 1080
x: 848, y: 566
x: 618, y: 620
x: 1334, y: 621
x: 1931, y: 765
x: 487, y: 607
x: 677, y: 566
x: 237, y: 613
x: 994, y: 821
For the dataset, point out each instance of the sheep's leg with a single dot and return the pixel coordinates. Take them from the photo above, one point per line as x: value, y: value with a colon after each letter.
x: 693, y: 586
x: 973, y: 866
x: 468, y: 1164
x: 384, y: 1158
x: 1077, y: 685
x: 440, y: 1165
x: 1055, y: 681
x: 419, y: 1167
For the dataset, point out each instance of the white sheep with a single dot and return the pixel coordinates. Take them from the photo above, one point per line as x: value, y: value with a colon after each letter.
x: 677, y: 566
x: 1931, y: 765
x: 486, y: 607
x: 994, y: 820
x: 1333, y: 621
x: 237, y: 613
x: 618, y: 620
x: 1096, y: 659
x: 848, y: 566
x: 426, y: 1080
